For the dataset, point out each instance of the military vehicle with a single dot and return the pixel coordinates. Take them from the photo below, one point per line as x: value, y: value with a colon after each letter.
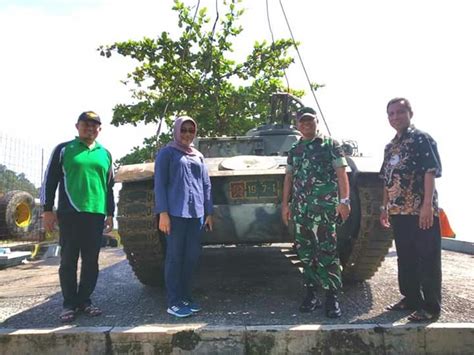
x: 247, y: 175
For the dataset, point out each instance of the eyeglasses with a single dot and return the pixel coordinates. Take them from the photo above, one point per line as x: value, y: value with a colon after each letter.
x: 189, y: 130
x: 89, y: 124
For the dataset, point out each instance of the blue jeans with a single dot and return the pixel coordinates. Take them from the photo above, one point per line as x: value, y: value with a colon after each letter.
x: 183, y: 248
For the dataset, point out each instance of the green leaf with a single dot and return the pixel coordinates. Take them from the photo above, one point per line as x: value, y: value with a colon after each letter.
x: 193, y: 73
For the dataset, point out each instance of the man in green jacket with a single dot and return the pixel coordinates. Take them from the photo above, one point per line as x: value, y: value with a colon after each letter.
x: 82, y: 168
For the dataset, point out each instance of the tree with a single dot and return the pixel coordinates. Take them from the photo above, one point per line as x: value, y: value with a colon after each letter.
x: 195, y: 75
x: 9, y: 180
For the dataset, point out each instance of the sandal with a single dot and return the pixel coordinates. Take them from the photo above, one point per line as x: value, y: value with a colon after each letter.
x: 91, y: 310
x: 401, y: 305
x: 67, y: 315
x: 422, y: 316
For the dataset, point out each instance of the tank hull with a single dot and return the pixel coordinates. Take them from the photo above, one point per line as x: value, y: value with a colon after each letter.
x: 247, y: 211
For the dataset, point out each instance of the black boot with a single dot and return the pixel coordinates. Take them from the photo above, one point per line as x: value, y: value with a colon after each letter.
x: 333, y: 310
x: 311, y: 301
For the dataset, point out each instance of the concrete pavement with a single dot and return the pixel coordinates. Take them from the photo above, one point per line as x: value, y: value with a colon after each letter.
x: 250, y: 298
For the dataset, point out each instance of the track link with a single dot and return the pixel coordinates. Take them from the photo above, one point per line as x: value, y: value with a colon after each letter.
x: 143, y: 244
x: 372, y: 241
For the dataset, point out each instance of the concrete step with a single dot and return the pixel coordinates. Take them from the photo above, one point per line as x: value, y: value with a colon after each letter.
x: 436, y: 338
x: 460, y: 246
x: 12, y: 258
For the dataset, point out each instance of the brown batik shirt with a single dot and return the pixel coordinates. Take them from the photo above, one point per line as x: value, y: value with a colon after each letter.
x: 406, y: 160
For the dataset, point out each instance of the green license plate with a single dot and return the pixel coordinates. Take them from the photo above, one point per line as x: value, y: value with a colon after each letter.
x: 253, y: 189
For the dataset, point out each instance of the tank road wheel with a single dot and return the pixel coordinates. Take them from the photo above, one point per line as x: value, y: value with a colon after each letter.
x: 365, y: 253
x: 15, y: 214
x: 143, y: 244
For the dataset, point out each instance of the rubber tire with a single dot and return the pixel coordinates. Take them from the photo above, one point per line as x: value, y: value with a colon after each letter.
x: 15, y: 204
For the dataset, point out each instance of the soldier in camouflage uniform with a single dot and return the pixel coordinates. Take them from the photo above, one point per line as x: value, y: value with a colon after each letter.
x: 318, y: 184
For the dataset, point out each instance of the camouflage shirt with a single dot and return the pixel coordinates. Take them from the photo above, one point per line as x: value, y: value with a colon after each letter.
x: 406, y: 160
x: 315, y: 190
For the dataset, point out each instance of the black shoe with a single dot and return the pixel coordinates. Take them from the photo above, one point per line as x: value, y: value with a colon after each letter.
x: 310, y: 302
x: 333, y: 310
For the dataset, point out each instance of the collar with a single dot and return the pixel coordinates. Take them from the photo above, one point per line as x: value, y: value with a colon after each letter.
x: 318, y: 137
x: 410, y: 129
x: 95, y: 144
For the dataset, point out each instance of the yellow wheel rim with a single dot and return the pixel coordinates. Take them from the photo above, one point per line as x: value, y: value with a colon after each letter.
x: 22, y: 215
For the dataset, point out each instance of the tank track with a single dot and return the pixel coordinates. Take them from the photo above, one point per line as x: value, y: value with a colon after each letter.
x: 372, y: 241
x: 143, y: 244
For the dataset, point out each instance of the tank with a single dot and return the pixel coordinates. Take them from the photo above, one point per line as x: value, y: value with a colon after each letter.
x: 247, y: 174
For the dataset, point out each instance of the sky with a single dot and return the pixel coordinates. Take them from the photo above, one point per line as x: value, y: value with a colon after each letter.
x: 365, y: 53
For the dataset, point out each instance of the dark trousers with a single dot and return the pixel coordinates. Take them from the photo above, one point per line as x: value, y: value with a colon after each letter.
x: 79, y: 234
x: 183, y: 248
x: 419, y: 262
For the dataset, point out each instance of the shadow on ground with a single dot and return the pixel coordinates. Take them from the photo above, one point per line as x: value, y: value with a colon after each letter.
x: 235, y: 286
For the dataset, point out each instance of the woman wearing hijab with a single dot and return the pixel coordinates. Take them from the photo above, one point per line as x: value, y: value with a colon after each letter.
x: 183, y: 205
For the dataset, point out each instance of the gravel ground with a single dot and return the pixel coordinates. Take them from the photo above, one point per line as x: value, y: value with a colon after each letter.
x: 235, y: 286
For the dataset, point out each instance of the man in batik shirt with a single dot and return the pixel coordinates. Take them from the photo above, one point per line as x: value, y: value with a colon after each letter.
x: 410, y: 205
x: 317, y: 181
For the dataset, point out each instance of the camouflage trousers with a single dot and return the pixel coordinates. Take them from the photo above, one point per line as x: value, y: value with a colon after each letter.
x: 317, y: 250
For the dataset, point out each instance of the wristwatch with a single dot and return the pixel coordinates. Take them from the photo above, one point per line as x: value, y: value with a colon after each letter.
x: 345, y: 201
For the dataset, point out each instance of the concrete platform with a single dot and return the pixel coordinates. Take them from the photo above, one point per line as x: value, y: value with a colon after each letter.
x: 250, y: 299
x: 204, y: 339
x: 13, y: 258
x: 459, y: 246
